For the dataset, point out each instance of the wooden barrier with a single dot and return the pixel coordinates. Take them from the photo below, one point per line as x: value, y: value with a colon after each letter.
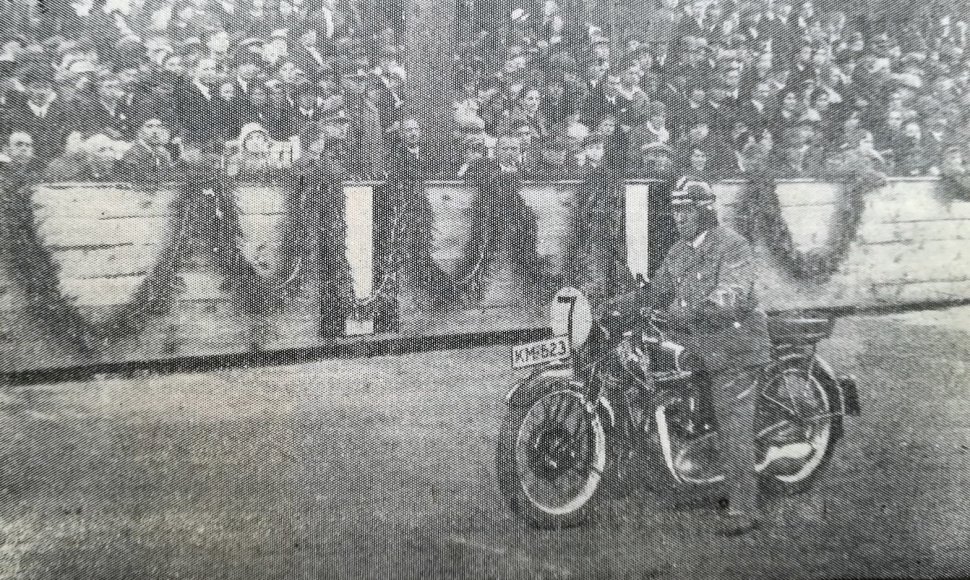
x: 105, y: 238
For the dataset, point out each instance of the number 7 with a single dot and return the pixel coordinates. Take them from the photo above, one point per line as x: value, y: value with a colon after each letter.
x: 571, y: 300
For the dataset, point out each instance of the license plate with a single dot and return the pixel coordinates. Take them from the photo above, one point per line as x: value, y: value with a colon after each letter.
x: 537, y: 353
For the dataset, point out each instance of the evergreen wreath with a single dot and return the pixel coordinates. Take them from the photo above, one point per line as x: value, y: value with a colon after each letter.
x: 291, y: 270
x: 760, y: 216
x: 34, y: 269
x: 213, y: 232
x: 408, y: 250
x: 501, y: 222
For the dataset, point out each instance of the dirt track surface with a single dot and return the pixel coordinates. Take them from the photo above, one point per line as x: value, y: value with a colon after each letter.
x: 383, y: 468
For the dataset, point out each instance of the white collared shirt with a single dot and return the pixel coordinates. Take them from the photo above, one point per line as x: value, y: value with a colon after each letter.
x: 699, y: 239
x: 203, y: 89
x: 41, y: 110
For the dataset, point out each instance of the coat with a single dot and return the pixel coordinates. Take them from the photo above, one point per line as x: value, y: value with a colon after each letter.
x: 691, y: 284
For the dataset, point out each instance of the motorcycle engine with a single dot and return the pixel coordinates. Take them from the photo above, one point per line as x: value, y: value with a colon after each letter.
x: 635, y: 359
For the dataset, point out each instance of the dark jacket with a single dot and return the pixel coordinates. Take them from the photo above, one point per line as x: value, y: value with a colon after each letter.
x: 49, y: 132
x: 691, y: 284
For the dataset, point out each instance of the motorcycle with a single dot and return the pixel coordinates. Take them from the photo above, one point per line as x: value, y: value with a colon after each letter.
x: 564, y: 434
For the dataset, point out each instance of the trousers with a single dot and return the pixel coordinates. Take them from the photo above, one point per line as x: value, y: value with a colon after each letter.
x: 734, y: 394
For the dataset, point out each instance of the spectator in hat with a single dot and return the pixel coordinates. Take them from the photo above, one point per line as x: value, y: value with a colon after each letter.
x: 414, y: 160
x: 42, y: 115
x: 257, y: 108
x: 148, y: 159
x: 701, y: 139
x: 594, y: 153
x: 472, y: 158
x: 110, y: 113
x: 909, y: 153
x: 608, y: 102
x: 558, y: 100
x: 656, y: 162
x: 367, y: 134
x: 652, y: 130
x: 786, y: 114
x: 860, y: 154
x: 935, y: 141
x: 251, y: 156
x: 555, y: 163
x: 529, y: 140
x: 798, y: 156
x: 756, y: 111
x: 309, y: 54
x: 527, y: 110
x: 225, y: 115
x: 248, y: 61
x: 890, y: 132
x: 336, y: 126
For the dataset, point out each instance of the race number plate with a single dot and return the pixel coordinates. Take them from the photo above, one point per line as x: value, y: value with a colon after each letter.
x: 537, y: 353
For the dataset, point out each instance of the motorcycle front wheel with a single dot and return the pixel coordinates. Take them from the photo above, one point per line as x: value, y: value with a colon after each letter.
x: 552, y: 460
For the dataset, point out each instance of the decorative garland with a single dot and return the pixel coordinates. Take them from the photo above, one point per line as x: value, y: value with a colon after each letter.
x: 501, y: 221
x: 213, y: 231
x: 321, y: 186
x: 33, y: 267
x: 956, y: 183
x: 761, y: 216
x: 408, y: 250
x: 597, y: 221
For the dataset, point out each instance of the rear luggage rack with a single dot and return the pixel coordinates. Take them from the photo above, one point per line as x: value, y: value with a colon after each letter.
x: 799, y: 330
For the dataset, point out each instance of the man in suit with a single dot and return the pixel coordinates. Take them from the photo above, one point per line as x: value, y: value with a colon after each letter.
x: 305, y: 111
x: 148, y: 159
x: 199, y: 102
x: 754, y: 111
x: 42, y: 116
x: 110, y: 113
x: 609, y: 102
x: 413, y: 160
x: 17, y: 160
x: 248, y: 60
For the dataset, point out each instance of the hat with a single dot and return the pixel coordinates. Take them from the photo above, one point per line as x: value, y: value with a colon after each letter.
x: 692, y: 192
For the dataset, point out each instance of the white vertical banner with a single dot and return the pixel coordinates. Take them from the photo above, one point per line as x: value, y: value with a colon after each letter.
x: 359, y: 216
x: 636, y: 198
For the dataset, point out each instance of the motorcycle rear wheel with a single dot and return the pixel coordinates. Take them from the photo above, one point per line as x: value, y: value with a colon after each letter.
x: 552, y: 460
x: 801, y: 401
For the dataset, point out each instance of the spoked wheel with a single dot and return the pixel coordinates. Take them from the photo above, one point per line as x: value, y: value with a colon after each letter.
x: 797, y: 430
x: 552, y: 460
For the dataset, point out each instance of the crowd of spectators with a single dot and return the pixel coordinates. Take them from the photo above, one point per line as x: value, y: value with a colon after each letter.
x: 717, y: 88
x: 95, y: 88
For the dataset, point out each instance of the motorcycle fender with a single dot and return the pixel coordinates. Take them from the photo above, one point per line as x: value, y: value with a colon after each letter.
x: 547, y: 380
x: 542, y: 381
x: 845, y: 387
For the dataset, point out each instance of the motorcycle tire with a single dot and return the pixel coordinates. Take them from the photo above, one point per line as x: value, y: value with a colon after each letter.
x: 520, y: 447
x: 823, y: 434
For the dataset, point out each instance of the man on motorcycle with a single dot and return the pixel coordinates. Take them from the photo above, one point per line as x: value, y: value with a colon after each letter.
x: 705, y: 286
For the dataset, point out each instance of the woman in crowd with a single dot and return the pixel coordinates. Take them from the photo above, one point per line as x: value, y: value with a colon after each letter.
x: 252, y: 157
